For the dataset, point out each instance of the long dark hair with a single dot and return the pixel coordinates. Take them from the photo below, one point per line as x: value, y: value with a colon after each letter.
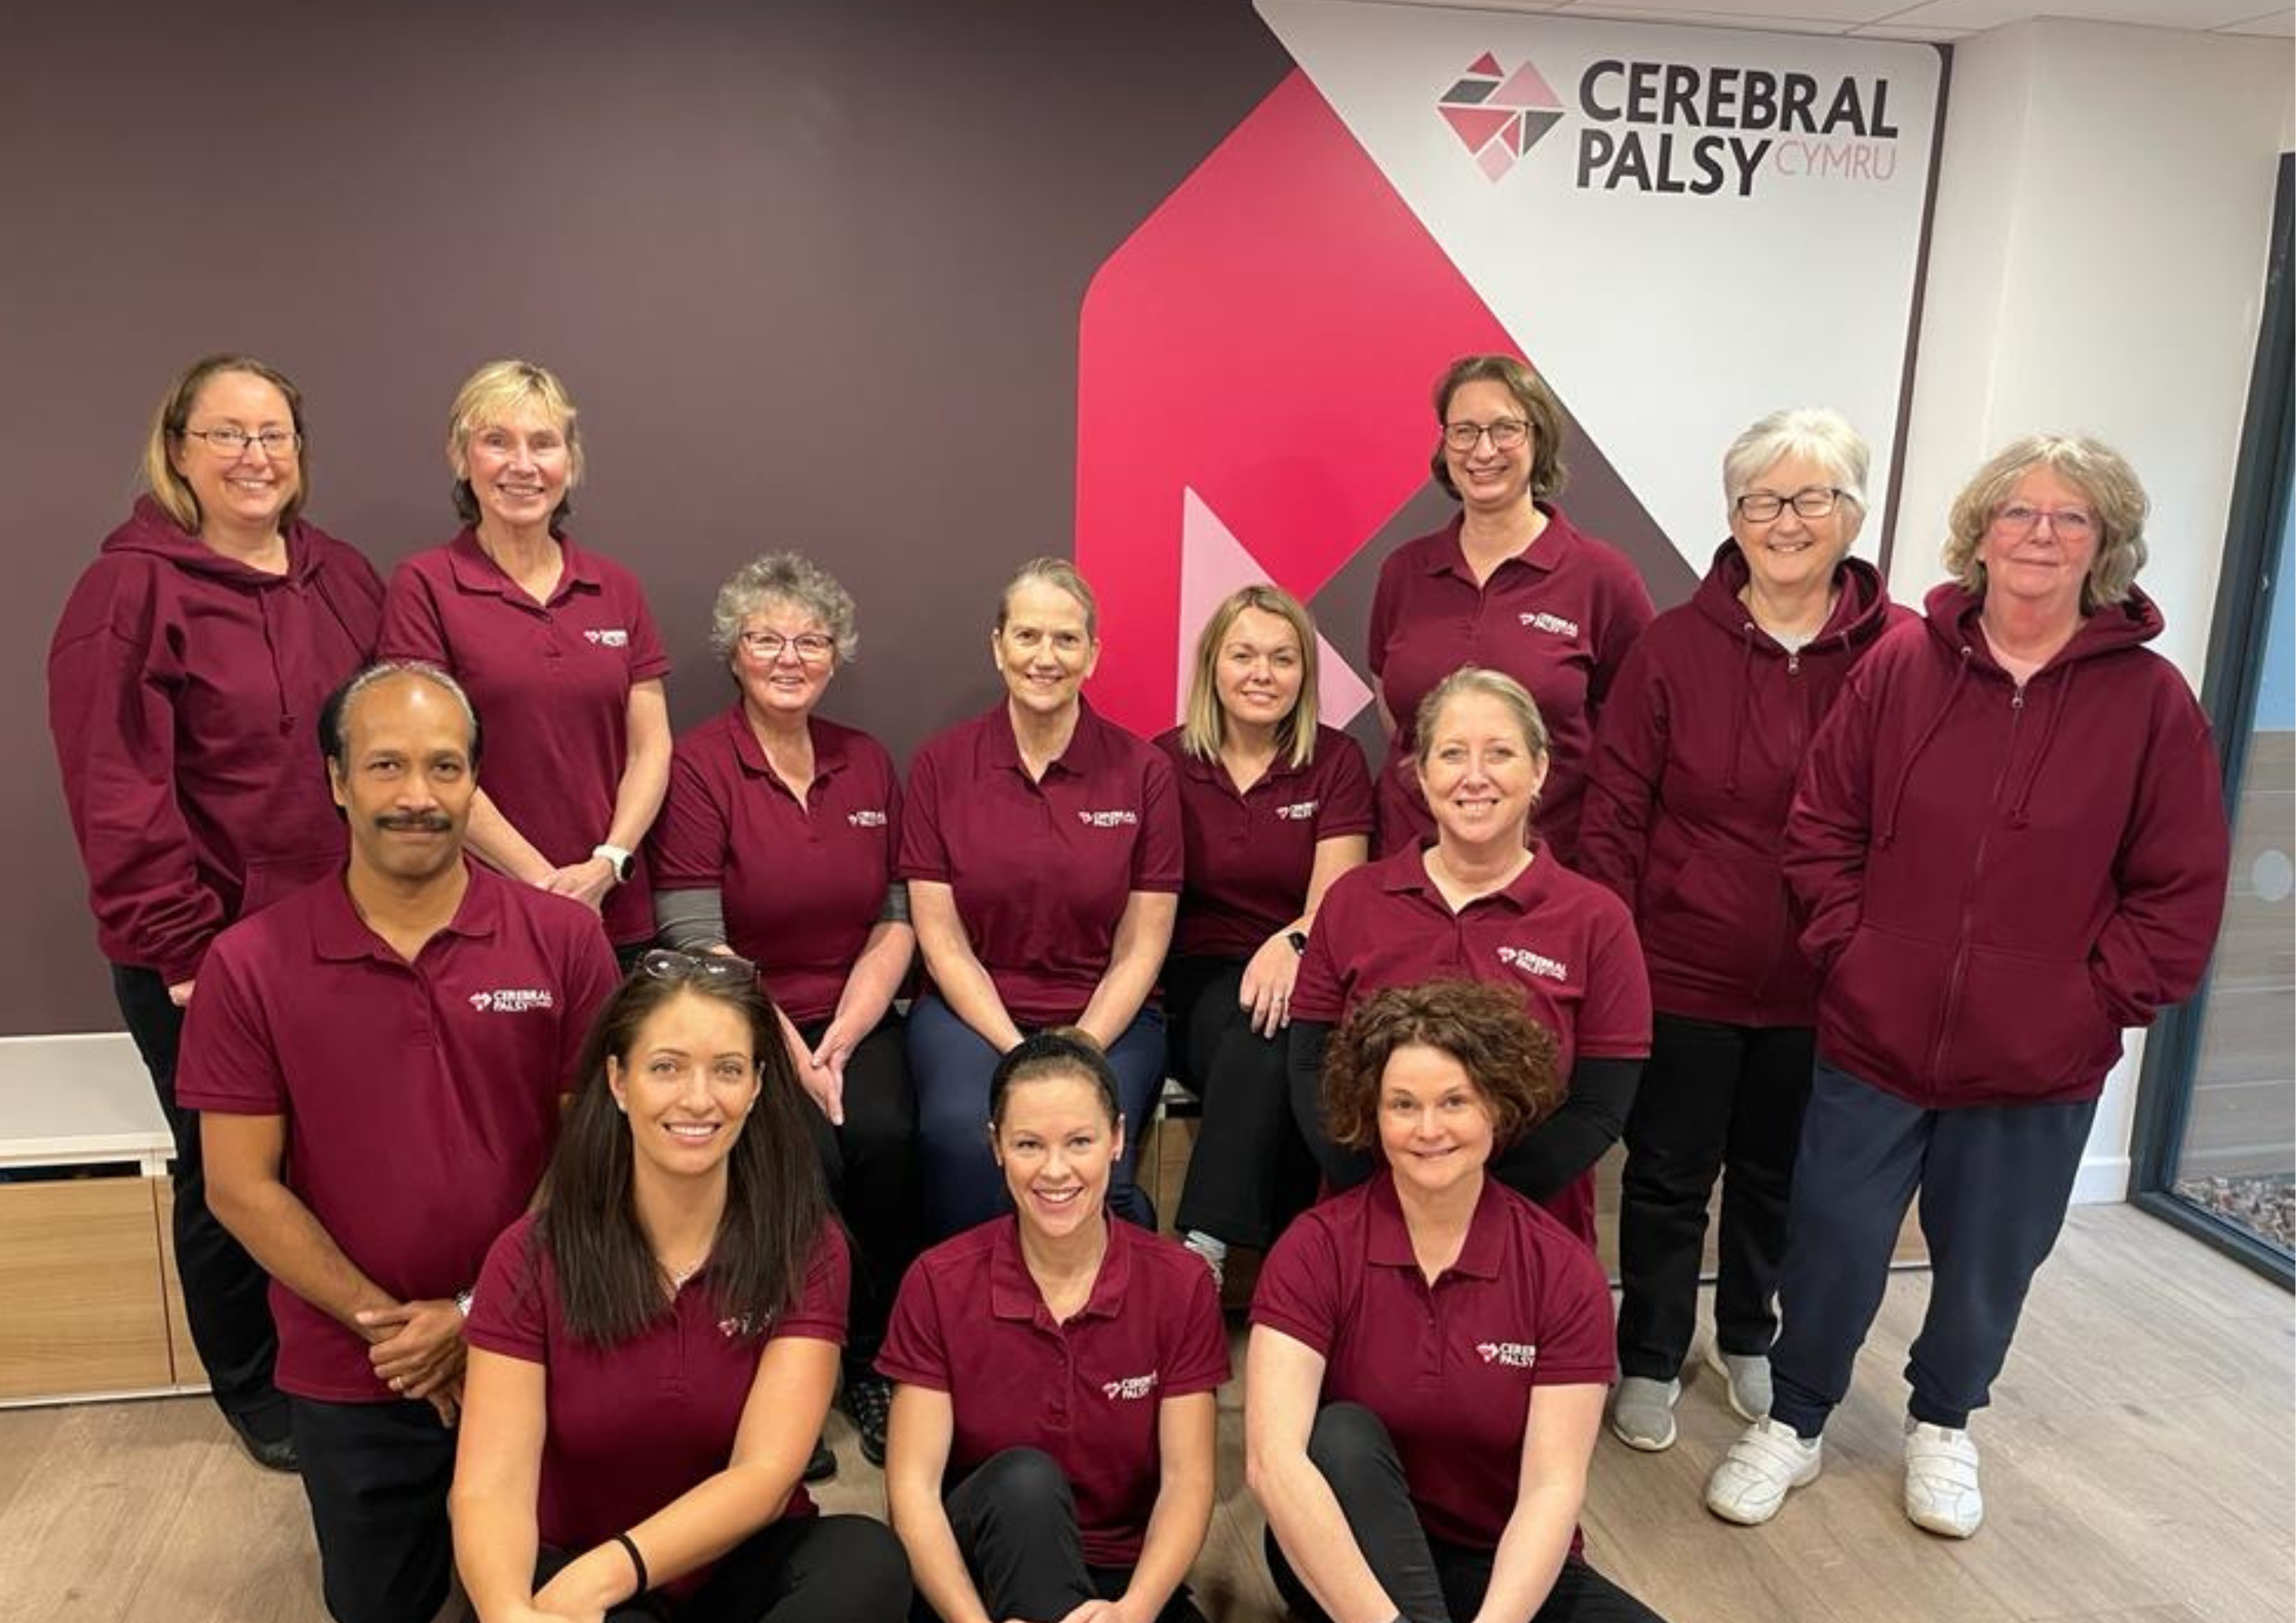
x: 609, y: 1283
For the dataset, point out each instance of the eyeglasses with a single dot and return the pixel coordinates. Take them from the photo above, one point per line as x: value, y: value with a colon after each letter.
x: 1760, y: 507
x: 810, y: 646
x: 1507, y: 434
x: 2069, y: 522
x: 277, y: 443
x: 669, y: 963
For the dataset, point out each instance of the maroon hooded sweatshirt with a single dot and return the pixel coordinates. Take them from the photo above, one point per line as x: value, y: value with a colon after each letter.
x: 1999, y: 880
x: 183, y: 692
x: 1703, y: 736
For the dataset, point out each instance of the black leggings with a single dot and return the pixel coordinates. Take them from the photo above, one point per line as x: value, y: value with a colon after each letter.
x: 869, y: 1165
x: 1249, y: 1173
x: 813, y: 1570
x: 1015, y: 1522
x: 1429, y: 1581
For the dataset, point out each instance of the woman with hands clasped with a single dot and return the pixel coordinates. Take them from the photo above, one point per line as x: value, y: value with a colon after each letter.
x: 1050, y: 1458
x: 653, y: 1347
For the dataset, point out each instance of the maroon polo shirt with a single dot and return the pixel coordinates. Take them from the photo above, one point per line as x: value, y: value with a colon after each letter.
x: 633, y: 1425
x: 552, y: 683
x: 1449, y: 1368
x: 1567, y: 944
x: 421, y: 1099
x: 1249, y: 855
x: 1086, y: 1392
x: 802, y: 885
x: 1558, y: 619
x: 1042, y: 870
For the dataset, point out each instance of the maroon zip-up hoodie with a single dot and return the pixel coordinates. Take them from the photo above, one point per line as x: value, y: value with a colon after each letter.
x: 1999, y: 879
x: 1703, y: 736
x: 183, y: 692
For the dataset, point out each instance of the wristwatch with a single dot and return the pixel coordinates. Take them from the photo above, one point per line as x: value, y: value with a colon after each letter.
x: 1298, y: 940
x: 615, y: 855
x: 462, y: 1303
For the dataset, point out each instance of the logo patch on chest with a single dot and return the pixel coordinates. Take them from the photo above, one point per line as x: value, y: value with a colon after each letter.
x: 866, y: 819
x: 609, y: 637
x: 1553, y: 624
x: 1108, y: 819
x: 1131, y: 1389
x: 1507, y: 1354
x: 1299, y: 811
x: 1534, y: 964
x: 513, y: 1000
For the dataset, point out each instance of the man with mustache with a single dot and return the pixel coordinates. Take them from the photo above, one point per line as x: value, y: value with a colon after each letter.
x: 380, y: 1059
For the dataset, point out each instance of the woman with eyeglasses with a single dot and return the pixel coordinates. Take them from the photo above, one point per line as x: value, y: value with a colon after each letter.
x: 1042, y: 849
x: 1275, y: 807
x: 777, y: 841
x: 1054, y: 1418
x: 1706, y: 728
x: 2008, y: 844
x: 185, y: 683
x: 553, y: 639
x: 1429, y: 1350
x: 1485, y: 902
x: 654, y: 1347
x: 1511, y: 585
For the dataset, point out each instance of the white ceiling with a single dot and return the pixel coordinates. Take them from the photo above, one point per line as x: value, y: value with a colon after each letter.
x: 1917, y: 19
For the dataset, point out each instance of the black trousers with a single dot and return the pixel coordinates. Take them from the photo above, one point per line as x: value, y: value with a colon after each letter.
x: 1015, y: 1520
x: 1715, y: 1100
x: 1994, y: 1182
x: 1251, y: 1172
x: 814, y: 1570
x: 225, y: 1292
x: 1430, y: 1581
x: 376, y: 1475
x: 871, y: 1167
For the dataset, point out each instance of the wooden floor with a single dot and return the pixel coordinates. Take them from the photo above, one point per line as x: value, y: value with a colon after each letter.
x: 2140, y: 1468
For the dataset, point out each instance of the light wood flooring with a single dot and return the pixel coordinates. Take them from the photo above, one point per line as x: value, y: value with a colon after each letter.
x: 2140, y: 1468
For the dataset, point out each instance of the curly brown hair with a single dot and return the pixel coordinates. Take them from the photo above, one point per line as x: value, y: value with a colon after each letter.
x: 1510, y: 1057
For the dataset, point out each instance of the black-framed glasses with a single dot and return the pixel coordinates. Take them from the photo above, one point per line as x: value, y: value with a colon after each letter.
x: 277, y: 443
x: 1507, y: 434
x: 669, y: 964
x: 810, y: 646
x: 1814, y: 502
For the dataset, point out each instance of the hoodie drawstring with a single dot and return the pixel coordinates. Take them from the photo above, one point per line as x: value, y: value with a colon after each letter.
x: 1745, y: 706
x: 1905, y: 773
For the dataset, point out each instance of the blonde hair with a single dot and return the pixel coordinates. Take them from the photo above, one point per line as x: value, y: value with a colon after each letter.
x: 2102, y: 475
x: 169, y: 487
x: 492, y: 395
x: 1490, y: 685
x: 1205, y: 724
x: 1057, y: 572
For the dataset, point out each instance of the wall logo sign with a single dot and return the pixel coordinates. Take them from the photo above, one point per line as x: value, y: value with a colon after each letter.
x: 1676, y: 127
x: 1500, y: 116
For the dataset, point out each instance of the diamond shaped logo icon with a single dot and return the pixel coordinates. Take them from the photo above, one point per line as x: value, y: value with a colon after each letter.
x: 1498, y: 115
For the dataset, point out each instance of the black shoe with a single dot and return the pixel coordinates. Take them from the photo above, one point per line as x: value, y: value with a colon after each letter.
x: 271, y: 1453
x: 822, y: 1465
x: 869, y: 1400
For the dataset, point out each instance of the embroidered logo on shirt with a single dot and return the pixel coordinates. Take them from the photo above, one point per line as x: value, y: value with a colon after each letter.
x: 866, y: 819
x: 1512, y: 1355
x: 1108, y: 819
x: 1131, y: 1388
x: 738, y: 1328
x: 1533, y: 963
x: 1554, y: 623
x: 513, y: 1000
x: 1299, y: 811
x: 615, y: 637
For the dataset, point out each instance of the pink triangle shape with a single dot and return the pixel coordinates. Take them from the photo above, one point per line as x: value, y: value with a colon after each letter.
x: 1475, y: 126
x: 1525, y: 89
x: 1214, y: 564
x: 1485, y: 63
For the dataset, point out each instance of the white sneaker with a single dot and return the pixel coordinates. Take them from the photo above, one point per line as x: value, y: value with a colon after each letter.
x: 1762, y: 1468
x: 1748, y: 1375
x: 1642, y: 1415
x: 1213, y: 1251
x: 1941, y: 1490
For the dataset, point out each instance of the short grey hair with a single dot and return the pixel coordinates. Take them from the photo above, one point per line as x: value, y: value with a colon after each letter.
x: 790, y: 577
x: 1822, y: 435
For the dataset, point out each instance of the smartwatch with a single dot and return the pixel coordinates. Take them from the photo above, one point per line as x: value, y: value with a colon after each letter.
x: 615, y: 855
x: 1298, y: 940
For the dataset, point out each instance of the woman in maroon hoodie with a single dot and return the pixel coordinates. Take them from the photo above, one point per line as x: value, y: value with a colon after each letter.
x: 2008, y: 845
x: 1693, y: 770
x: 185, y: 685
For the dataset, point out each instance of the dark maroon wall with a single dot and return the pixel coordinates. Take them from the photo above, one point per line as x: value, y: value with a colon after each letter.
x: 812, y: 270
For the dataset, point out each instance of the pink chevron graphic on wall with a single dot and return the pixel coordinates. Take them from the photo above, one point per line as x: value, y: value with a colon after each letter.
x: 1214, y: 564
